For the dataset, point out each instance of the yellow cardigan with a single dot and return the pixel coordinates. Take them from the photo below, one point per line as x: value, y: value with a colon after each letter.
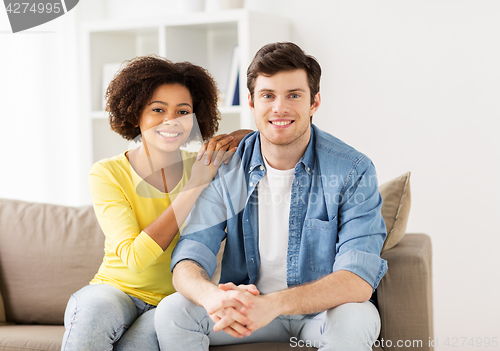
x: 124, y: 205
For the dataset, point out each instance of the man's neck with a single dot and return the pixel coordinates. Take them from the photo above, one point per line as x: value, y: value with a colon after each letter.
x: 283, y: 157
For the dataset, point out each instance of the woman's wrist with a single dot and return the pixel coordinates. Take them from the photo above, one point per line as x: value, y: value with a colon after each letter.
x: 195, y: 183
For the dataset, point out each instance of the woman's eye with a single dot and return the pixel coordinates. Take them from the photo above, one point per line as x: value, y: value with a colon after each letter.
x: 184, y: 112
x: 159, y: 110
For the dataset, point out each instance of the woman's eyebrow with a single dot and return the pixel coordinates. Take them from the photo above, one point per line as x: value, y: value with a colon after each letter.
x: 158, y: 102
x: 164, y: 103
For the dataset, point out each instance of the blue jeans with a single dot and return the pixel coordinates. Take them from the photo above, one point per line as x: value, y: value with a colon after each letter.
x: 101, y: 317
x: 181, y: 325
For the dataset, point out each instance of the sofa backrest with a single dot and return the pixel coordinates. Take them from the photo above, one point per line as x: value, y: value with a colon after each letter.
x: 47, y: 252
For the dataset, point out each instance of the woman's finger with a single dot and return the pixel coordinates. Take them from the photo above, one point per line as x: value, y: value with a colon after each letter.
x: 220, y: 157
x: 201, y: 152
x: 219, y: 144
x: 210, y: 145
x: 228, y: 155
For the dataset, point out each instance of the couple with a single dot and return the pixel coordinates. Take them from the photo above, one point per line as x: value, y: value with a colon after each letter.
x: 302, y: 253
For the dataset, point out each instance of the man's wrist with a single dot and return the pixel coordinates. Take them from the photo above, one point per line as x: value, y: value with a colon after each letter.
x: 275, y: 302
x: 208, y: 296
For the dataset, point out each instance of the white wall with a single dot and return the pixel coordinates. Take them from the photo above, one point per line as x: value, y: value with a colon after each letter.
x: 416, y: 86
x: 40, y: 118
x: 413, y: 84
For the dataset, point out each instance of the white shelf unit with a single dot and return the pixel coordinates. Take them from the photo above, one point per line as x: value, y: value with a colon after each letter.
x: 205, y: 38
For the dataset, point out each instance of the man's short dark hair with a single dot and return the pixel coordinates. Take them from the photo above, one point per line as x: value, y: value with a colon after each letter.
x: 284, y: 56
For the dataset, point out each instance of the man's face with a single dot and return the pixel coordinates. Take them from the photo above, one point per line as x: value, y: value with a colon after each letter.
x: 282, y: 107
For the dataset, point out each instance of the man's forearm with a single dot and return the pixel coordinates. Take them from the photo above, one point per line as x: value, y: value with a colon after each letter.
x: 328, y: 292
x: 192, y: 281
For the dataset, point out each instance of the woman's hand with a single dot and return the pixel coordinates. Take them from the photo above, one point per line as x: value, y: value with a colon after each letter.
x: 201, y: 174
x: 218, y: 146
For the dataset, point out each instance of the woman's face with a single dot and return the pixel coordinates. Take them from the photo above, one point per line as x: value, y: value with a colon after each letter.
x: 167, y: 119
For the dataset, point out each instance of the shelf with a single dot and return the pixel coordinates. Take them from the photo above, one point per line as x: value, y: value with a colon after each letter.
x: 202, y: 20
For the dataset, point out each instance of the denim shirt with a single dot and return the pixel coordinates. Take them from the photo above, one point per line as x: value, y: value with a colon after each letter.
x: 335, y: 220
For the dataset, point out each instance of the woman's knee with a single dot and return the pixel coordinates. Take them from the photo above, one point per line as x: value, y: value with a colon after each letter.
x: 102, y: 302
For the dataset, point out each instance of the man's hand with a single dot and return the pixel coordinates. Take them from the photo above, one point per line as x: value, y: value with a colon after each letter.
x: 264, y: 310
x: 227, y: 308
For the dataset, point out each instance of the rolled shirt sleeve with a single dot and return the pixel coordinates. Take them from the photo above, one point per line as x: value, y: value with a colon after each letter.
x: 361, y: 226
x: 204, y: 231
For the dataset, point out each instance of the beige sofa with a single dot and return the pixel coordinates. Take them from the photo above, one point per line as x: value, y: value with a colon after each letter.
x: 48, y: 252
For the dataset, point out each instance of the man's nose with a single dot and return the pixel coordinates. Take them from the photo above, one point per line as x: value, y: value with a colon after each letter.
x: 280, y: 106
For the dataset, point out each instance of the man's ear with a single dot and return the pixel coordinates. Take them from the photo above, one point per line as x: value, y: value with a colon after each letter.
x: 250, y: 103
x: 315, y: 104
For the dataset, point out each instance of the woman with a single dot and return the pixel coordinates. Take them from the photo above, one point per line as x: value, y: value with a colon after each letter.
x: 142, y: 197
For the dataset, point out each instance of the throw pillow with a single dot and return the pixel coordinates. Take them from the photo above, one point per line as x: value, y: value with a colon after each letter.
x: 396, y: 195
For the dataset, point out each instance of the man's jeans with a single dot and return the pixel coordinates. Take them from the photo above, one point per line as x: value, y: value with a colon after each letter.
x: 181, y: 325
x: 100, y: 317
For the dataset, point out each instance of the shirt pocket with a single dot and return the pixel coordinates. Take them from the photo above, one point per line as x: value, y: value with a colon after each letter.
x: 321, y: 238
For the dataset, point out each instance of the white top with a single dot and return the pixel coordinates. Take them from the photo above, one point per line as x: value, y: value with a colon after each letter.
x: 274, y: 193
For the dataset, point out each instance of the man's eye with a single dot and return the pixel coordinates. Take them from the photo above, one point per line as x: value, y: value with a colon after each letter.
x: 294, y: 96
x: 267, y: 96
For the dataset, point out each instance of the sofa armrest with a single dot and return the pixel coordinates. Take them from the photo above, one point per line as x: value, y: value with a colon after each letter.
x: 3, y: 320
x: 405, y: 294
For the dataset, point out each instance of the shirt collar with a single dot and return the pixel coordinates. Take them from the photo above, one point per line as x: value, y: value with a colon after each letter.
x: 307, y: 159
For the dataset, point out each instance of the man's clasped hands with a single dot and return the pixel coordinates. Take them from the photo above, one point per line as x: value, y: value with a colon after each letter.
x: 239, y: 310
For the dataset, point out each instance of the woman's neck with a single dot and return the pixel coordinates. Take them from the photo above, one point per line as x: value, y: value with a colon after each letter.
x: 157, y: 168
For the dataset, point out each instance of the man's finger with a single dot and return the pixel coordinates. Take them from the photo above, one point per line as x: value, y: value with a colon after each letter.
x: 238, y: 328
x: 251, y: 288
x: 224, y: 303
x: 227, y: 286
x: 239, y: 295
x: 233, y: 319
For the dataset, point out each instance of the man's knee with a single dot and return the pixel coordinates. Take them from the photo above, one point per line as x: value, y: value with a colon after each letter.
x: 176, y: 309
x: 360, y: 321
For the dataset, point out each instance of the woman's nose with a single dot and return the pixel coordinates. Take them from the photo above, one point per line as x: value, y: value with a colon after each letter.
x: 170, y: 120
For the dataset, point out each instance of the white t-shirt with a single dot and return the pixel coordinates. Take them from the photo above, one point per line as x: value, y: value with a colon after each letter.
x: 274, y: 194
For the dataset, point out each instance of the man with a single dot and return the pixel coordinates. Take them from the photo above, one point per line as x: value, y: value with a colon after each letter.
x: 300, y: 213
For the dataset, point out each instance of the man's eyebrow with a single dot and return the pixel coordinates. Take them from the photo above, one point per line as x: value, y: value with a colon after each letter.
x: 164, y: 103
x: 289, y: 91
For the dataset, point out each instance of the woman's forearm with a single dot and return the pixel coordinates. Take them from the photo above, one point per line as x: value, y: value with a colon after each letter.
x: 163, y: 229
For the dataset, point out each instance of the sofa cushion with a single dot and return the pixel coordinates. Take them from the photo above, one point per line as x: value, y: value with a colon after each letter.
x: 396, y: 195
x: 31, y: 337
x: 47, y: 252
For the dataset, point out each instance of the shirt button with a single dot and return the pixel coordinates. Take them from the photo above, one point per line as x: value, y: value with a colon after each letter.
x: 261, y: 168
x: 308, y: 169
x: 251, y: 183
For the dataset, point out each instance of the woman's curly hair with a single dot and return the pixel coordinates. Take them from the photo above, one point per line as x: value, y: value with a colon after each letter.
x: 134, y: 85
